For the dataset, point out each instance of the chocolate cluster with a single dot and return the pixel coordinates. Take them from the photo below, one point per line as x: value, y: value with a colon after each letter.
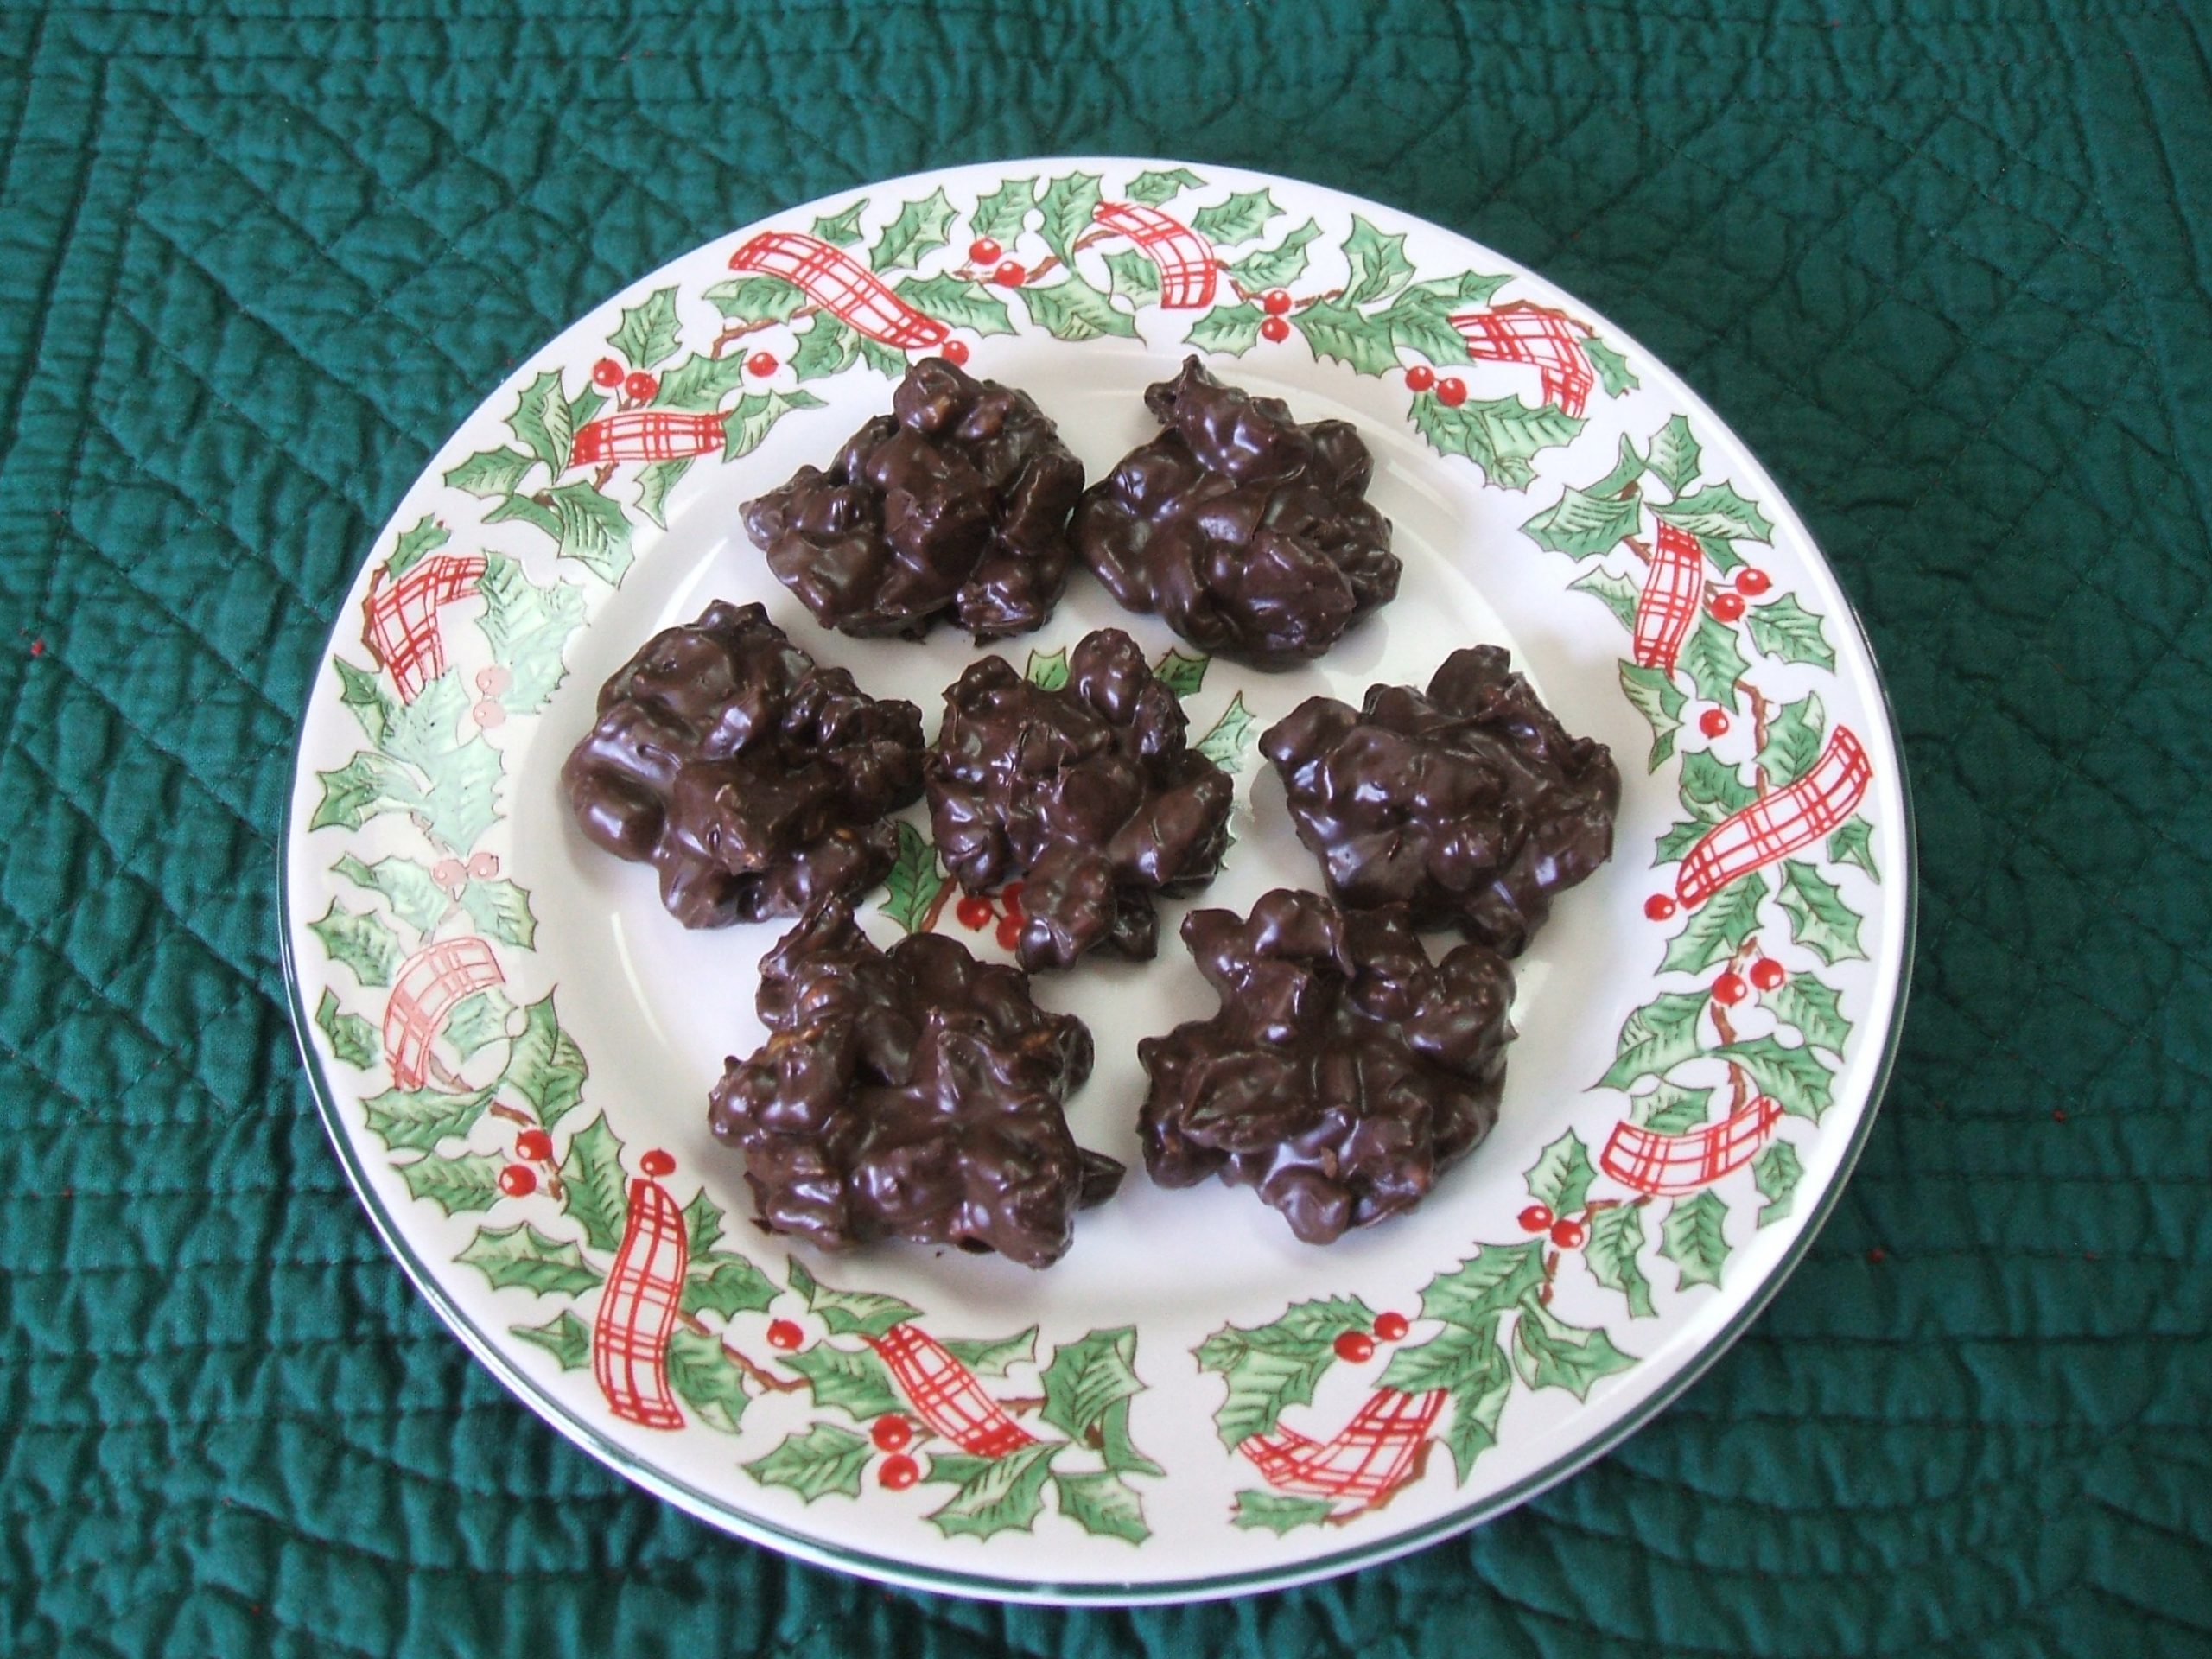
x: 914, y: 1093
x: 753, y: 780
x: 1344, y: 1071
x: 1087, y: 791
x: 1249, y: 533
x: 1471, y: 805
x: 955, y: 504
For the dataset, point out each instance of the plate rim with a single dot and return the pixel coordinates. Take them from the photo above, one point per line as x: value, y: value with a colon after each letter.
x: 753, y: 1528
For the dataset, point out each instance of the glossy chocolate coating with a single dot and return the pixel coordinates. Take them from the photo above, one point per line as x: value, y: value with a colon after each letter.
x: 955, y: 504
x: 1344, y: 1071
x: 1088, y: 793
x: 1471, y: 805
x: 914, y: 1093
x: 753, y: 780
x: 1250, y: 534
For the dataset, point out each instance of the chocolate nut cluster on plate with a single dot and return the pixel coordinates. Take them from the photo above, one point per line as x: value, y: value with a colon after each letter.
x: 754, y: 781
x: 954, y: 506
x: 914, y: 1093
x: 1249, y: 533
x: 1087, y: 791
x: 1344, y: 1072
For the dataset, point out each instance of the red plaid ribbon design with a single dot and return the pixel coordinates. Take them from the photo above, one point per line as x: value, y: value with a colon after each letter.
x: 1668, y: 1165
x: 400, y: 625
x: 430, y: 983
x: 1539, y: 337
x: 840, y: 285
x: 1367, y: 1459
x: 945, y: 1395
x: 1815, y: 805
x: 1187, y: 272
x: 646, y: 435
x: 1667, y: 609
x: 637, y: 1311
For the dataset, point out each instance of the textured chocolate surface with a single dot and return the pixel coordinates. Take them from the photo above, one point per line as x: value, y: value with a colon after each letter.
x: 914, y: 1093
x: 954, y: 506
x: 1249, y: 533
x: 754, y: 781
x: 1470, y: 805
x: 1344, y: 1072
x: 1088, y: 793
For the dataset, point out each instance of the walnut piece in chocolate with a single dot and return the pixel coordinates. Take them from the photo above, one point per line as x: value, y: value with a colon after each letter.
x: 1087, y: 791
x: 754, y: 781
x: 955, y: 504
x: 1471, y: 805
x: 1344, y: 1071
x: 1250, y: 534
x: 914, y: 1093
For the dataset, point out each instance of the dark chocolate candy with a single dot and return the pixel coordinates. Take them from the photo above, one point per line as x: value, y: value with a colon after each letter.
x: 955, y: 504
x: 755, y: 781
x: 914, y: 1093
x: 1471, y: 806
x: 1087, y: 792
x: 1344, y: 1071
x: 1250, y: 534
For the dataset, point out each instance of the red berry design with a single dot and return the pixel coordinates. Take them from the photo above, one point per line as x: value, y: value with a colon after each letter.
x: 897, y: 1473
x: 1568, y: 1235
x: 1391, y: 1326
x: 1730, y: 989
x: 493, y: 680
x: 1275, y: 301
x: 1274, y: 328
x: 760, y: 365
x: 1752, y: 581
x: 449, y: 872
x: 488, y: 713
x: 974, y: 911
x: 892, y: 1433
x: 1419, y: 378
x: 1536, y: 1218
x: 1727, y: 608
x: 1451, y: 391
x: 657, y: 1163
x: 483, y: 866
x: 785, y: 1335
x: 640, y: 386
x: 517, y: 1180
x: 1713, y: 722
x: 1767, y: 974
x: 1356, y: 1347
x: 1009, y: 933
x: 1012, y: 274
x: 1659, y: 907
x: 533, y: 1145
x: 1010, y: 896
x: 607, y: 372
x: 954, y: 351
x: 983, y: 251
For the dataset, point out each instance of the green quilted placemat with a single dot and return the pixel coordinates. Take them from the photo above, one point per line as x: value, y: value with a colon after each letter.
x: 1946, y: 271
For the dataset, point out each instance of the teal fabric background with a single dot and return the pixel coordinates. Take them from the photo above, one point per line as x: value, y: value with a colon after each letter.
x: 1942, y: 261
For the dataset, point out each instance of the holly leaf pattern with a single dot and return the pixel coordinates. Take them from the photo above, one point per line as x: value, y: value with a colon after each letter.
x: 753, y: 416
x: 1813, y: 1008
x: 825, y: 346
x: 1277, y: 1512
x: 1240, y: 219
x: 541, y: 422
x: 852, y: 1380
x: 701, y: 1373
x: 993, y: 1357
x: 1676, y: 456
x: 1549, y: 1353
x: 362, y: 943
x: 849, y: 1313
x: 1335, y: 330
x: 1047, y: 673
x: 1088, y: 1378
x: 1102, y: 1505
x: 915, y: 880
x: 1468, y: 288
x: 529, y: 628
x: 462, y: 1184
x: 356, y: 791
x: 598, y: 1193
x: 1678, y: 840
x: 698, y: 383
x: 415, y: 545
x: 1272, y: 1367
x: 1157, y: 184
x: 756, y: 300
x: 414, y: 898
x: 920, y: 229
x: 1225, y: 740
x: 1418, y: 324
x: 825, y: 1458
x: 1656, y: 1038
x: 1560, y: 1178
x: 843, y: 229
x: 1713, y: 788
x: 960, y: 303
x: 1616, y: 1239
x: 1670, y: 1108
x: 500, y: 911
x: 417, y: 1119
x: 1818, y: 919
x: 703, y: 1226
x: 1853, y: 844
x: 352, y: 1039
x: 1481, y: 1288
x: 1074, y: 310
x: 1067, y: 203
x: 1500, y: 436
x: 564, y: 1335
x: 1279, y: 266
x: 1470, y: 1363
x: 1231, y: 328
x: 546, y: 1069
x: 362, y: 692
x: 1132, y: 277
x: 647, y: 336
x: 489, y: 474
x: 1797, y: 1078
x: 1582, y: 523
x: 592, y: 529
x: 1786, y: 629
x: 1713, y: 660
x: 718, y: 1283
x: 1717, y: 511
x: 1793, y: 739
x: 1182, y: 672
x: 1613, y: 372
x: 1717, y: 929
x: 522, y: 1258
x: 1694, y: 1239
x: 477, y: 1021
x: 1002, y: 214
x: 1116, y: 1450
x: 994, y: 1495
x: 1379, y: 265
x: 1617, y: 594
x: 1775, y: 1173
x: 1653, y: 694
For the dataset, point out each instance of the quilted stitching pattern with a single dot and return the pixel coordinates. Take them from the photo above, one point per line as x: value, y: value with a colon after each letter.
x: 1945, y: 272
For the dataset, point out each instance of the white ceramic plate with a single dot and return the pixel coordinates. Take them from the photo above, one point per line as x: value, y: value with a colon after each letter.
x: 512, y: 1044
